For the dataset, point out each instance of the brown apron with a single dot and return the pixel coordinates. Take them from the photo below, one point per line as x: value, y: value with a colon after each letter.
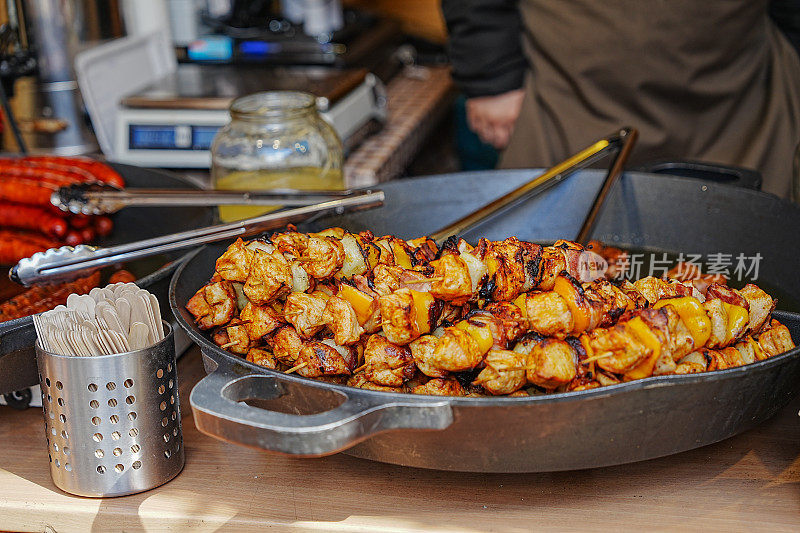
x: 712, y: 80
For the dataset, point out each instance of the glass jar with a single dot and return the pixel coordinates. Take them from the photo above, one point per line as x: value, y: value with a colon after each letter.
x: 275, y: 140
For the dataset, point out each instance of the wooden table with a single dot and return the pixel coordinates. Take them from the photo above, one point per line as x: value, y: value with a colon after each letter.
x: 748, y: 482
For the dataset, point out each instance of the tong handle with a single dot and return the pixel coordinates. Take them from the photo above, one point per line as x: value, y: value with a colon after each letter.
x: 96, y: 199
x: 539, y: 184
x: 66, y: 263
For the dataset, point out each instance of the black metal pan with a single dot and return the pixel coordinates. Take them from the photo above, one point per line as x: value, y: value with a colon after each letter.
x: 17, y: 358
x: 253, y: 406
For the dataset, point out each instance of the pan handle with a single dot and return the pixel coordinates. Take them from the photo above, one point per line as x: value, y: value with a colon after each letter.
x: 220, y: 411
x: 729, y: 175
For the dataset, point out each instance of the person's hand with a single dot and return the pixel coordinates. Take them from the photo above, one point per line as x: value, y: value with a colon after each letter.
x: 493, y: 117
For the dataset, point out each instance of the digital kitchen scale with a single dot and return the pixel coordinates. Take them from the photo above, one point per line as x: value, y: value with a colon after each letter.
x: 172, y: 122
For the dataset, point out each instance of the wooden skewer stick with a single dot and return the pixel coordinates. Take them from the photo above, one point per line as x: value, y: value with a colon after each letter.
x: 360, y: 368
x: 421, y: 281
x: 296, y: 367
x: 596, y: 357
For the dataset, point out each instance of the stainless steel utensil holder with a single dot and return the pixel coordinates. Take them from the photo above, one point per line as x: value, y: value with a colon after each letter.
x: 113, y: 422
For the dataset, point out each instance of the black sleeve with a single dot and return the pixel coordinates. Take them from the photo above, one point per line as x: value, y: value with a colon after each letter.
x: 484, y: 40
x: 786, y: 14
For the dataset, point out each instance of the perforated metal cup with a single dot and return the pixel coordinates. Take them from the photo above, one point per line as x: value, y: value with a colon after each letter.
x: 113, y: 422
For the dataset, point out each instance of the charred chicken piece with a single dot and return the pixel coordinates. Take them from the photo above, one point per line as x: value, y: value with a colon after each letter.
x: 387, y: 364
x: 504, y: 372
x: 457, y: 351
x: 512, y: 267
x: 323, y: 257
x: 325, y: 358
x: 360, y: 381
x: 291, y: 242
x: 213, y: 305
x: 286, y: 345
x: 238, y: 340
x: 406, y: 314
x: 341, y: 319
x: 760, y: 306
x: 775, y: 340
x: 551, y: 363
x: 234, y: 263
x: 453, y: 282
x: 270, y: 277
x: 262, y: 358
x: 440, y: 387
x: 422, y: 352
x: 259, y: 320
x: 305, y: 312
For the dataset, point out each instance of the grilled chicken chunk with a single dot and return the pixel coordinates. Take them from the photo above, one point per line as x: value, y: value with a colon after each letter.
x: 286, y: 345
x: 213, y: 305
x: 456, y: 351
x: 305, y: 312
x: 422, y: 352
x: 259, y: 320
x: 238, y: 340
x: 550, y: 362
x: 504, y: 372
x: 453, y: 282
x: 399, y: 317
x: 270, y: 277
x: 262, y: 358
x: 548, y: 313
x: 234, y: 264
x: 324, y: 359
x: 360, y: 381
x: 440, y: 387
x: 324, y: 256
x: 386, y: 363
x: 760, y: 306
x: 341, y: 318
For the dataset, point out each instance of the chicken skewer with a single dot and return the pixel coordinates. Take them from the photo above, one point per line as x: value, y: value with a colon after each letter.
x: 403, y: 315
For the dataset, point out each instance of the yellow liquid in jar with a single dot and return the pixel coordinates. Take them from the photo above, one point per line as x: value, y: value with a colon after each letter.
x: 302, y: 178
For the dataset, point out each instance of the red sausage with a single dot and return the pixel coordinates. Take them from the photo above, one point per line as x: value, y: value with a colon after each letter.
x: 14, y: 189
x: 100, y: 171
x: 32, y: 218
x: 14, y: 245
x: 103, y: 226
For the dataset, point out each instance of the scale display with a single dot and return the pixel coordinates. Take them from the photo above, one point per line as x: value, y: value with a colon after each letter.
x: 170, y: 137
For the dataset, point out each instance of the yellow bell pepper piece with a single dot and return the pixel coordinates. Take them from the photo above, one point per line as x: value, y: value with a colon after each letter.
x: 580, y: 317
x: 640, y: 330
x: 363, y: 304
x: 693, y: 316
x: 521, y: 302
x: 481, y: 334
x: 401, y: 257
x: 738, y: 318
x: 422, y: 305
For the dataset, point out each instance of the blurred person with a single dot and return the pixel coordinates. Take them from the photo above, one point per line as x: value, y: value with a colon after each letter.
x: 713, y: 80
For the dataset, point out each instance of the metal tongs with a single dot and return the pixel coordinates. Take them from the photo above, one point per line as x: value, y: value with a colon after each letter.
x: 66, y: 263
x: 99, y: 199
x: 618, y: 144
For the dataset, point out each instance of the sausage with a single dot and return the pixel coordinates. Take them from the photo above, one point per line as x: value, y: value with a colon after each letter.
x: 15, y: 245
x: 99, y: 171
x: 32, y: 218
x: 103, y: 226
x: 23, y: 191
x: 58, y: 176
x: 122, y: 276
x: 43, y: 298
